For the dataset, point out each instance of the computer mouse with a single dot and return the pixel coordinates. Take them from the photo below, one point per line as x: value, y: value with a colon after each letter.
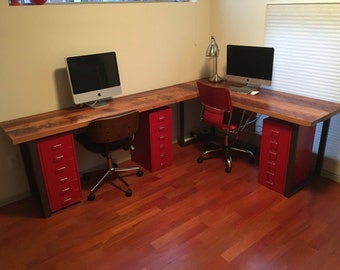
x: 255, y: 92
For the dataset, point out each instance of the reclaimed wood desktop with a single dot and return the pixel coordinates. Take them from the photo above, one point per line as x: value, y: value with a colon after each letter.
x: 288, y: 107
x: 42, y: 125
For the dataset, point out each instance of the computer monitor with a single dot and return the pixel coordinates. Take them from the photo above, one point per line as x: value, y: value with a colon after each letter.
x: 93, y: 78
x: 249, y: 64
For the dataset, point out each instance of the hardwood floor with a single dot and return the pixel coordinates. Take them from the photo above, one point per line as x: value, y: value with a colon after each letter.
x: 187, y: 216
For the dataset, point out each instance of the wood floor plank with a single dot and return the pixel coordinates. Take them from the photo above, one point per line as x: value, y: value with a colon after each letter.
x: 186, y: 216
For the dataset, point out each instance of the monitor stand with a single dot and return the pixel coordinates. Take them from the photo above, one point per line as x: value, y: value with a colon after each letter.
x: 251, y: 87
x: 98, y: 103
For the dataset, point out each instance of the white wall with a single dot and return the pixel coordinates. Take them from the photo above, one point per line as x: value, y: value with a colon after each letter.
x: 157, y: 44
x: 237, y: 22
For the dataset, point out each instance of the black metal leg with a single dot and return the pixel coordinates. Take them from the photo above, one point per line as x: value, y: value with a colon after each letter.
x: 322, y: 146
x: 35, y: 176
x: 181, y: 139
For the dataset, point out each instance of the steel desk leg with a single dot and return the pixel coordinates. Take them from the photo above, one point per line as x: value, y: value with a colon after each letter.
x: 322, y: 146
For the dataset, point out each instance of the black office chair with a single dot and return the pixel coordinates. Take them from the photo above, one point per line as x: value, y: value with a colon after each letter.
x: 106, y: 134
x: 217, y: 112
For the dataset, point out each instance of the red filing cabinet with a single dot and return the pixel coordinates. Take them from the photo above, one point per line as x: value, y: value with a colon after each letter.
x: 285, y: 155
x: 153, y: 140
x: 60, y: 170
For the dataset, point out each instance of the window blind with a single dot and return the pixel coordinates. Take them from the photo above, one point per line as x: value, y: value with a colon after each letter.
x: 306, y: 38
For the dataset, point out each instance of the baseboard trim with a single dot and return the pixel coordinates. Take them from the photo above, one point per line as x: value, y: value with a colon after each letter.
x: 330, y: 175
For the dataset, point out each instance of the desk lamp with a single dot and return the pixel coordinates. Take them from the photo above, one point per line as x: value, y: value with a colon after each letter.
x: 212, y: 51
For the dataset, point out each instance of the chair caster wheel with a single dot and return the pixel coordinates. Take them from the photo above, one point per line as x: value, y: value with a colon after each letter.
x: 228, y: 169
x: 91, y: 197
x: 128, y: 193
x: 200, y: 160
x: 140, y: 173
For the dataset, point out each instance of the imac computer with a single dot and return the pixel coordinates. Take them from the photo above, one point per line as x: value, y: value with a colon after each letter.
x: 250, y: 65
x: 94, y: 78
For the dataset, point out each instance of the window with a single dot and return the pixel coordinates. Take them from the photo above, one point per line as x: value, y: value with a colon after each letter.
x: 306, y: 38
x: 98, y: 1
x: 89, y: 1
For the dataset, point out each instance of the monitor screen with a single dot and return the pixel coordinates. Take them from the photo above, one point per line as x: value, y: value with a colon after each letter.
x: 249, y: 64
x: 93, y: 77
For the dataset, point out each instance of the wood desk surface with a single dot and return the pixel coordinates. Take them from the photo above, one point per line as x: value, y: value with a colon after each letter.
x: 292, y: 108
x: 38, y: 126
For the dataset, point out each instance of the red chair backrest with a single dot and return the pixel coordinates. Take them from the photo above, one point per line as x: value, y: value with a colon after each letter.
x: 216, y: 102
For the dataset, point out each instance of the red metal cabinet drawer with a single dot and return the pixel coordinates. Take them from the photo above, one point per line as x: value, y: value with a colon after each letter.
x: 286, y: 154
x: 56, y: 143
x: 58, y: 157
x: 164, y: 160
x: 60, y: 177
x: 60, y: 170
x: 160, y: 116
x: 274, y: 154
x: 162, y: 127
x: 66, y: 196
x: 153, y: 140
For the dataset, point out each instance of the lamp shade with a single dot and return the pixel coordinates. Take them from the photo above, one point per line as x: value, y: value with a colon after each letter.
x: 212, y: 49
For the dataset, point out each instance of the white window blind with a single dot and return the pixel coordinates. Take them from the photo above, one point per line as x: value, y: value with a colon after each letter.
x: 306, y: 38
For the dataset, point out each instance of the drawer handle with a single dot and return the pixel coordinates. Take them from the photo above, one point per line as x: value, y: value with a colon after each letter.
x: 270, y: 178
x: 271, y: 165
x: 67, y: 200
x: 58, y: 158
x: 161, y: 128
x: 62, y: 180
x: 56, y: 146
x: 161, y: 118
x: 163, y: 164
x: 161, y: 137
x: 61, y: 169
x: 274, y: 145
x: 275, y: 134
x: 272, y: 155
x: 65, y: 190
x: 270, y: 182
x: 162, y: 146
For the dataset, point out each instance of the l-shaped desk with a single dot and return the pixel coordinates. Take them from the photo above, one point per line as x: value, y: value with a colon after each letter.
x: 295, y: 109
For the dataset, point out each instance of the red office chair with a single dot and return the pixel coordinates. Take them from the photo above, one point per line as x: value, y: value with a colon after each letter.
x: 106, y: 134
x: 217, y: 111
